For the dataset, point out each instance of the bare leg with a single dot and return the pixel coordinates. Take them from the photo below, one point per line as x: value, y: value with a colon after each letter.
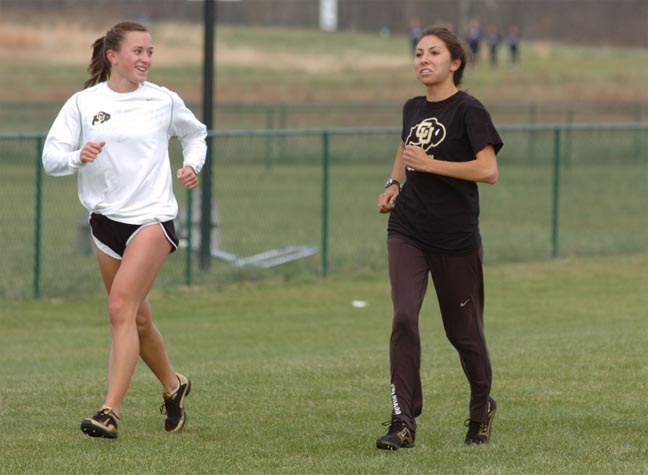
x: 128, y: 283
x: 152, y: 349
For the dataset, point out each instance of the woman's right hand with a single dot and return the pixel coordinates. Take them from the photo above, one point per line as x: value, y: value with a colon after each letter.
x: 90, y: 151
x: 387, y: 200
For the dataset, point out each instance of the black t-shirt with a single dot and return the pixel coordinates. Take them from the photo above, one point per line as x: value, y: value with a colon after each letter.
x: 441, y: 214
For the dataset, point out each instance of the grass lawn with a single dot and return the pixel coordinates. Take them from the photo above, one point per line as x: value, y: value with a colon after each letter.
x: 289, y: 377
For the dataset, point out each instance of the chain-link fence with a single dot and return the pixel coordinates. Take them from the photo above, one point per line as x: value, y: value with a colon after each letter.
x: 302, y: 202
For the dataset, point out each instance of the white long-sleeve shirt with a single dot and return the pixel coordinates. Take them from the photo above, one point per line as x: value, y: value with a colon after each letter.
x: 130, y: 181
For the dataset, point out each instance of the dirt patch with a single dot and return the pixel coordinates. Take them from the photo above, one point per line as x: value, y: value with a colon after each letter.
x: 249, y: 57
x: 48, y: 43
x: 71, y: 44
x: 18, y: 38
x: 250, y: 73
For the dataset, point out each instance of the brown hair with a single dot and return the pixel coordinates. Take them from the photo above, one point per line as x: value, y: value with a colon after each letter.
x: 454, y: 45
x: 99, y: 67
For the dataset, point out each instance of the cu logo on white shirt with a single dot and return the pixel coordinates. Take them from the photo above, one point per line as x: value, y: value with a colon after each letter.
x: 100, y: 117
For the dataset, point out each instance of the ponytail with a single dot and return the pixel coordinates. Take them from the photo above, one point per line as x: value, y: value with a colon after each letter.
x: 99, y: 67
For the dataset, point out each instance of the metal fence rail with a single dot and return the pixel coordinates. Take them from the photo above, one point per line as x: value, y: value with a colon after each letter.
x: 25, y: 116
x: 294, y: 202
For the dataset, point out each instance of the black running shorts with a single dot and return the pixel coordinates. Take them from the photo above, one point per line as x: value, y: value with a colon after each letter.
x: 112, y: 237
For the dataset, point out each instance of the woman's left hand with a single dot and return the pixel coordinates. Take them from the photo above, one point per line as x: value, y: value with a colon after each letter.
x: 415, y: 158
x: 188, y: 177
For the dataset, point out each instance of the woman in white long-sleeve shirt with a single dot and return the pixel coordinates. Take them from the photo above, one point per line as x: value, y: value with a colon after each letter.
x: 114, y: 135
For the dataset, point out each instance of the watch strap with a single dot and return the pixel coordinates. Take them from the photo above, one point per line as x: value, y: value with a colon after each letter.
x: 391, y: 182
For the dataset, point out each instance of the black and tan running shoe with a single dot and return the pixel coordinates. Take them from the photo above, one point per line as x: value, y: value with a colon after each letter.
x: 102, y: 424
x: 398, y: 436
x: 480, y: 432
x: 173, y: 406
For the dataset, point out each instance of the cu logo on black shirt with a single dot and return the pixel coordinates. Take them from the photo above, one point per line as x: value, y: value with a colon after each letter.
x: 427, y: 134
x: 100, y: 117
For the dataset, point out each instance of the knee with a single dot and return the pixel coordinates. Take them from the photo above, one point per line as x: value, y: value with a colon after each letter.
x: 119, y: 312
x: 144, y: 322
x: 404, y: 325
x: 466, y: 338
x: 474, y: 357
x: 462, y: 343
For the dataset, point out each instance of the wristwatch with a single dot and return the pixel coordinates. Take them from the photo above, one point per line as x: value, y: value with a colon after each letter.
x: 391, y: 182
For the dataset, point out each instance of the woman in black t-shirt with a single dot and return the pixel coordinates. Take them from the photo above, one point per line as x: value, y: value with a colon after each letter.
x: 448, y: 145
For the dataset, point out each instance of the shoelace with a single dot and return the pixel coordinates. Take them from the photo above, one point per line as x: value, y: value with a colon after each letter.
x: 395, y: 425
x: 163, y: 407
x: 106, y: 413
x: 168, y: 397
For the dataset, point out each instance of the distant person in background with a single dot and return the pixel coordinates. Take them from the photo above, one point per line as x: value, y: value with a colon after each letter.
x: 142, y: 18
x: 473, y: 38
x: 513, y: 40
x: 114, y: 135
x: 448, y: 145
x: 493, y: 39
x: 414, y: 34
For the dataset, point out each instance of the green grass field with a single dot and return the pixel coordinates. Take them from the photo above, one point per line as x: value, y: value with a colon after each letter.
x: 290, y: 378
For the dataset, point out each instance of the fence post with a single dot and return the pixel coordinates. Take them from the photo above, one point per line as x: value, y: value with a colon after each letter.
x: 566, y: 156
x: 638, y: 138
x: 283, y: 123
x: 556, y: 193
x: 532, y: 132
x: 270, y: 139
x: 189, y: 251
x: 325, y: 201
x: 38, y: 217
